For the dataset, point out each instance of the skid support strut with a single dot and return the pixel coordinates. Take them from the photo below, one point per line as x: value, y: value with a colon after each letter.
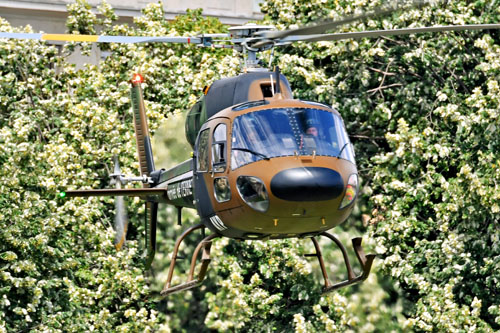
x: 205, y: 244
x: 365, y: 261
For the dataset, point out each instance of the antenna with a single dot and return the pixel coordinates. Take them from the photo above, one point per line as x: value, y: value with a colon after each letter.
x: 277, y: 73
x: 271, y: 58
x: 272, y: 84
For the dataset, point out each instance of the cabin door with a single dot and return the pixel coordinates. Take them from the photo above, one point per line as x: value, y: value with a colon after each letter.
x: 217, y: 179
x: 212, y: 167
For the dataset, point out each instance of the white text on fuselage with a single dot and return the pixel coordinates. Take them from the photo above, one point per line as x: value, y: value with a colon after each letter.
x: 180, y: 190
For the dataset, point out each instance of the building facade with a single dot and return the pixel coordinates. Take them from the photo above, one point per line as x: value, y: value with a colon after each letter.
x: 49, y: 16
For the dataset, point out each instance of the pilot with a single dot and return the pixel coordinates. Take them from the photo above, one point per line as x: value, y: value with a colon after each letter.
x: 314, y: 141
x: 310, y: 137
x: 312, y: 128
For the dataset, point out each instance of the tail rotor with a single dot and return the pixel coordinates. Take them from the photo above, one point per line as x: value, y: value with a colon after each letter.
x: 121, y: 217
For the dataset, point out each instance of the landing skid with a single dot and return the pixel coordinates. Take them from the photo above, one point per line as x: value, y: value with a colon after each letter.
x: 365, y: 261
x: 206, y: 244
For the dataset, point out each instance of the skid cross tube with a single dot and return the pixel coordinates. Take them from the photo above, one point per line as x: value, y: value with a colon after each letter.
x: 365, y: 261
x: 206, y: 244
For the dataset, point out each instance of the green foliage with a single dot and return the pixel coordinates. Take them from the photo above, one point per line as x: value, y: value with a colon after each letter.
x: 270, y: 286
x: 59, y: 271
x: 433, y: 180
x: 422, y: 110
x: 59, y: 128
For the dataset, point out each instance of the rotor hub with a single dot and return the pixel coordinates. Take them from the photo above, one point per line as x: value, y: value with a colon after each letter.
x: 248, y: 30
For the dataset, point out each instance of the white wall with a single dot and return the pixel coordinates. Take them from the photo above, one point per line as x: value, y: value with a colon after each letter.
x: 50, y: 15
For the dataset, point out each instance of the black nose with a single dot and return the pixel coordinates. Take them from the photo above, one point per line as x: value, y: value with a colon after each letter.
x: 307, y: 184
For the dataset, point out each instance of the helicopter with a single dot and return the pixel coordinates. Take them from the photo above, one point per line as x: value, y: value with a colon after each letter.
x: 264, y: 166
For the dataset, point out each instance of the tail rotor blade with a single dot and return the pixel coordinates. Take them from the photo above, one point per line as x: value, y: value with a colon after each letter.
x: 152, y: 209
x: 121, y: 222
x: 121, y: 218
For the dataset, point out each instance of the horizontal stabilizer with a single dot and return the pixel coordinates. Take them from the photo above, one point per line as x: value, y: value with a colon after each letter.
x: 130, y: 192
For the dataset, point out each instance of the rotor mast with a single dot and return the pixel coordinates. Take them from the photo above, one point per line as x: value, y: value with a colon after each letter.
x: 244, y: 38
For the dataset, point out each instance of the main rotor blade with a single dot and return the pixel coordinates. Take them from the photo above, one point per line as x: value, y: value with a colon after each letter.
x: 329, y: 25
x: 393, y: 32
x: 130, y: 192
x: 101, y: 39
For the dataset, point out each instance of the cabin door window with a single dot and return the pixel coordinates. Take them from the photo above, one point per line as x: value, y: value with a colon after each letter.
x: 203, y: 149
x: 219, y: 147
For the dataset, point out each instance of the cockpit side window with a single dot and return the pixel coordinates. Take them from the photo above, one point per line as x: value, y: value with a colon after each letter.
x: 219, y: 146
x: 202, y: 149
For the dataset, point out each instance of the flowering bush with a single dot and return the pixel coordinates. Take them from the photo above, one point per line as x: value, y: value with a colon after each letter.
x: 422, y: 110
x: 424, y: 113
x: 59, y: 128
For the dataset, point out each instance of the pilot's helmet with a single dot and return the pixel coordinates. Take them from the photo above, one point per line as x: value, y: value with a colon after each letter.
x: 311, y: 122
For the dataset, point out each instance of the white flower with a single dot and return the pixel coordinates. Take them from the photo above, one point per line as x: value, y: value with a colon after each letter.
x: 441, y: 96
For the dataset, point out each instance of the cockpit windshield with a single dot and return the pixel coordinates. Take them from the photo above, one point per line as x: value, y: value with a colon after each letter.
x: 286, y: 132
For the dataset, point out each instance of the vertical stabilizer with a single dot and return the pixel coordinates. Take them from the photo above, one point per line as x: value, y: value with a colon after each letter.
x: 144, y: 149
x: 146, y: 162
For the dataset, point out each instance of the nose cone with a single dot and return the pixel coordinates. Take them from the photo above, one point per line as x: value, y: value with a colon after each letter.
x: 307, y: 184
